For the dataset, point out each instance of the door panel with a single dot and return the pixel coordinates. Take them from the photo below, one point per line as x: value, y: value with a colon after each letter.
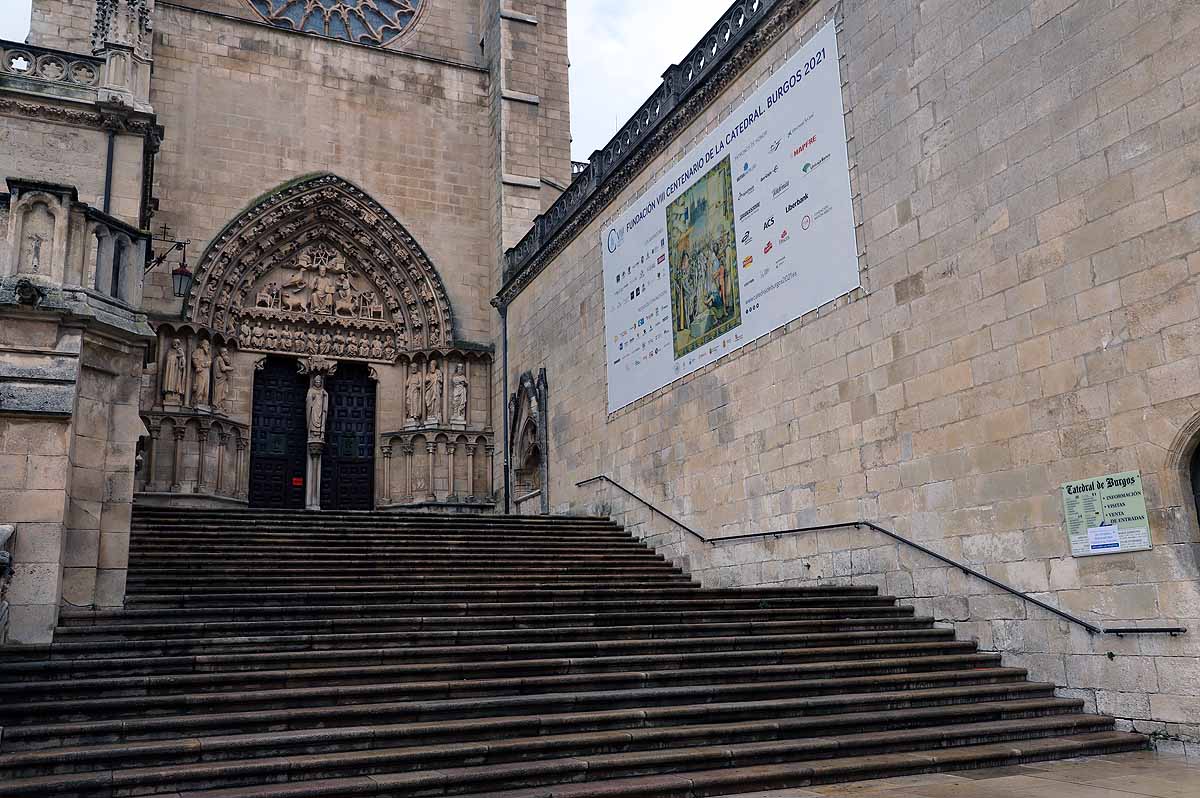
x: 277, y: 437
x: 348, y: 465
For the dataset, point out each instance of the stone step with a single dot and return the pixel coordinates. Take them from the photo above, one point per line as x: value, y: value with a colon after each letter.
x: 96, y: 708
x: 185, y: 674
x: 478, y: 675
x: 203, y: 586
x: 669, y: 705
x: 555, y: 732
x: 115, y: 629
x: 466, y: 766
x: 699, y: 601
x: 432, y: 637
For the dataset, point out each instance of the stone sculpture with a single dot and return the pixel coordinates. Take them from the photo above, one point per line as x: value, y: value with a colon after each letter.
x: 458, y: 395
x: 174, y: 374
x: 201, y: 374
x: 222, y: 367
x: 316, y: 412
x: 414, y: 400
x: 433, y: 394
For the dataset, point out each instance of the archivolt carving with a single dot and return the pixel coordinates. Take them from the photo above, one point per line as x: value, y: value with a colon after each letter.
x: 319, y: 268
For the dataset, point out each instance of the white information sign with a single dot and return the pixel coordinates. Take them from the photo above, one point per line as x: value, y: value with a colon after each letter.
x: 1106, y: 515
x: 749, y: 231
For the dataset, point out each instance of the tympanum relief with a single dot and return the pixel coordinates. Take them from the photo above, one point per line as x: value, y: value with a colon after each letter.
x: 319, y: 304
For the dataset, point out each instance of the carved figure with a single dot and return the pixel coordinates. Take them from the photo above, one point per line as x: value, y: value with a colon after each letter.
x: 174, y: 374
x: 370, y: 307
x: 415, y: 398
x: 268, y: 297
x: 272, y: 339
x: 352, y: 346
x: 458, y: 395
x: 256, y: 339
x: 344, y: 302
x: 245, y: 332
x: 326, y: 344
x: 316, y: 408
x: 201, y: 374
x: 323, y: 293
x: 389, y: 351
x: 314, y: 346
x: 294, y: 293
x: 222, y: 367
x: 433, y: 393
x: 377, y: 348
x: 339, y: 344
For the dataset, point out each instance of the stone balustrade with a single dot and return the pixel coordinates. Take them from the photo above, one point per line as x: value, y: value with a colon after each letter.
x: 41, y: 69
x: 437, y: 465
x: 206, y: 456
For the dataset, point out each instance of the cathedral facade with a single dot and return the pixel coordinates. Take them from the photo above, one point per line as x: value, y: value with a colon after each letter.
x: 214, y: 208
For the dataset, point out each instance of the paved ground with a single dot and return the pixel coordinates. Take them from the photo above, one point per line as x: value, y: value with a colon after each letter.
x: 1120, y: 776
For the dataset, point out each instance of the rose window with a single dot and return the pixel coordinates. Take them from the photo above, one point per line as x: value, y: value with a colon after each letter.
x: 375, y: 22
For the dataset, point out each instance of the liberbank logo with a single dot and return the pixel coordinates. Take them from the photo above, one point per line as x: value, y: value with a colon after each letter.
x: 796, y: 204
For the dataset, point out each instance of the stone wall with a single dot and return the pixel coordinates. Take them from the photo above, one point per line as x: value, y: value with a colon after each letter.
x: 1025, y: 175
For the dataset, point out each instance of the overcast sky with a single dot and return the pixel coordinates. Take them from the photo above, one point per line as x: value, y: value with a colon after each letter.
x: 619, y: 50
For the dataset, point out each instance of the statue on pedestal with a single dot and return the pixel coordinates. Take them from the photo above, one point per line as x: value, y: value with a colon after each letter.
x: 316, y: 412
x: 458, y: 396
x: 174, y: 374
x: 201, y: 374
x: 414, y: 396
x: 222, y: 367
x: 433, y: 394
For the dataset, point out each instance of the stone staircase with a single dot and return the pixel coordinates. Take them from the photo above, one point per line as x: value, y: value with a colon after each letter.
x: 353, y: 654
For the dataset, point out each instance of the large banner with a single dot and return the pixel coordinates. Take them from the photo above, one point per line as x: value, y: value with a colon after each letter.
x: 751, y: 230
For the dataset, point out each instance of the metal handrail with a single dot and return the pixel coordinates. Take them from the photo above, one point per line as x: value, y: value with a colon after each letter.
x: 966, y: 569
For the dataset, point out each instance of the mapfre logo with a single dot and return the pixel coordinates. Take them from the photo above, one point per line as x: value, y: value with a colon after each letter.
x: 796, y: 153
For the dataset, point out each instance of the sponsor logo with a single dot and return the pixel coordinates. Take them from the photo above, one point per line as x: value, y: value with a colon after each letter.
x: 775, y: 192
x: 769, y: 174
x: 746, y: 169
x: 809, y: 167
x: 769, y: 223
x: 806, y: 223
x: 796, y: 153
x: 662, y: 257
x: 783, y: 239
x: 775, y: 146
x: 748, y: 262
x: 767, y: 249
x: 743, y: 194
x: 793, y: 205
x: 827, y: 209
x: 800, y: 126
x: 746, y: 214
x: 616, y: 237
x: 747, y: 238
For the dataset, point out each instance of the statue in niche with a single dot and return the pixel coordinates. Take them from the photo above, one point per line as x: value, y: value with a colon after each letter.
x: 415, y: 399
x: 256, y: 339
x: 174, y: 374
x: 377, y: 348
x: 201, y: 374
x: 222, y: 367
x: 433, y: 394
x: 458, y: 395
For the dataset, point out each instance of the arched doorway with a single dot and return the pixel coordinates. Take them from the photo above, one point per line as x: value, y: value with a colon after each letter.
x: 277, y: 436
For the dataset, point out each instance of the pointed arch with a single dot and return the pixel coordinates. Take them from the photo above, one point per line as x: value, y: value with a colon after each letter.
x: 319, y: 267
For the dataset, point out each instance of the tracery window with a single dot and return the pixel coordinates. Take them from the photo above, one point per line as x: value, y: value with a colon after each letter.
x: 374, y: 22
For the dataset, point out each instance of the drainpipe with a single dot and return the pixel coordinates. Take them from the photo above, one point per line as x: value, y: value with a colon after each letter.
x: 504, y: 379
x: 108, y: 169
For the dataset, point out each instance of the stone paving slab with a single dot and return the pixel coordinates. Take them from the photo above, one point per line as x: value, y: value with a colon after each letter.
x: 1136, y: 775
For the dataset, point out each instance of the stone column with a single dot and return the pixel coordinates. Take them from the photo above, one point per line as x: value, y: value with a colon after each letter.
x: 202, y: 439
x: 471, y: 492
x: 222, y: 439
x: 155, y: 430
x: 240, y: 473
x: 432, y: 449
x: 407, y: 450
x: 177, y: 466
x: 491, y: 455
x: 312, y: 478
x: 451, y: 485
x: 386, y: 451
